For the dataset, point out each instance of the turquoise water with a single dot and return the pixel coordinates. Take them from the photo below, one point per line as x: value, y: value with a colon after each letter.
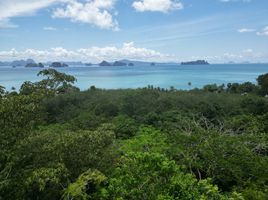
x: 140, y: 76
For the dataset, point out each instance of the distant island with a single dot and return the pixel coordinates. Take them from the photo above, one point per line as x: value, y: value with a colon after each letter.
x: 124, y: 63
x: 115, y: 64
x: 119, y: 63
x: 17, y: 63
x: 88, y: 64
x: 58, y: 64
x: 198, y: 62
x: 30, y: 63
x: 40, y: 65
x: 105, y: 63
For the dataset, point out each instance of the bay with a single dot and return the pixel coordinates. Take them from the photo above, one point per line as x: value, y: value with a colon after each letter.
x: 162, y: 76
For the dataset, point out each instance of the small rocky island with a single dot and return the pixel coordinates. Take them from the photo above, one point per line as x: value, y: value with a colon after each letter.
x: 104, y: 63
x: 115, y: 64
x: 88, y: 64
x: 17, y: 63
x: 58, y: 65
x: 34, y: 65
x: 198, y: 62
x: 118, y: 64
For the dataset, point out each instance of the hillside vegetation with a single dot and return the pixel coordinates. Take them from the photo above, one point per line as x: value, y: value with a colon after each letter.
x: 145, y: 144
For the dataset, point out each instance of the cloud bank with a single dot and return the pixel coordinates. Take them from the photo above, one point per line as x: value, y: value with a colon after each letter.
x: 92, y: 54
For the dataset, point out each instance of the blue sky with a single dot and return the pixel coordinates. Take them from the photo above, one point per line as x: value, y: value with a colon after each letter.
x: 154, y: 30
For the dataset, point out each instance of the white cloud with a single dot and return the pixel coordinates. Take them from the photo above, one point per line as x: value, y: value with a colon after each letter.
x: 246, y: 30
x: 49, y: 28
x: 92, y: 54
x: 264, y: 32
x: 96, y: 12
x: 157, y: 5
x: 15, y: 8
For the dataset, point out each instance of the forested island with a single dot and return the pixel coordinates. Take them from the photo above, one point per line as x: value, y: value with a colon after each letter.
x: 115, y: 64
x: 34, y: 65
x: 58, y: 64
x: 58, y: 142
x: 198, y: 62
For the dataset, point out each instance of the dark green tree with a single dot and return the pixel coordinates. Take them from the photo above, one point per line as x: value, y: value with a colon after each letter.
x: 263, y: 83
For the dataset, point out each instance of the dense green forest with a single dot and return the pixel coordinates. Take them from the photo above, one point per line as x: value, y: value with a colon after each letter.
x: 145, y: 144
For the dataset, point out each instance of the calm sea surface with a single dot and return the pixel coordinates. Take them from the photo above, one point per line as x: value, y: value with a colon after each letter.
x: 140, y: 76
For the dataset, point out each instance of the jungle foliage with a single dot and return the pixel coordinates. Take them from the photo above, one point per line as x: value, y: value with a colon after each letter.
x: 150, y: 143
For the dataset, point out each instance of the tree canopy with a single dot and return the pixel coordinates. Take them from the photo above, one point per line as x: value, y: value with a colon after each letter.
x: 150, y: 143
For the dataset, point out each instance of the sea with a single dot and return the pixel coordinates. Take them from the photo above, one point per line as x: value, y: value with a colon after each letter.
x: 160, y: 75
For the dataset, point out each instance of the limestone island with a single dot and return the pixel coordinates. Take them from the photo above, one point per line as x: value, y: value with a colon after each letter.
x: 119, y: 63
x: 104, y: 63
x: 58, y: 65
x: 34, y: 65
x: 115, y: 64
x: 198, y: 62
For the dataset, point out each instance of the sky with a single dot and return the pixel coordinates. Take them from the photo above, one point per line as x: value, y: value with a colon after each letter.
x: 219, y: 31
